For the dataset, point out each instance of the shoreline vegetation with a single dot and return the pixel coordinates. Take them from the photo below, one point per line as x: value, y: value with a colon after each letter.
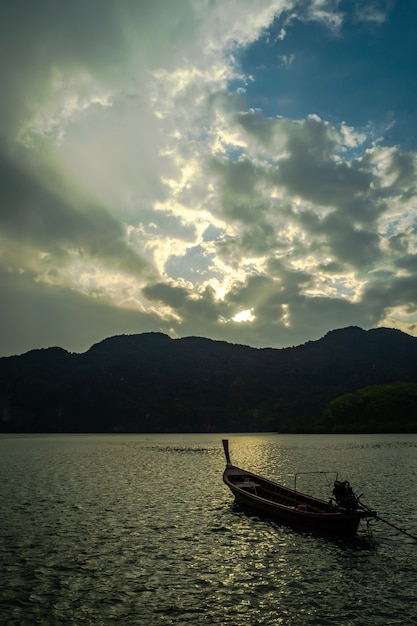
x: 374, y: 409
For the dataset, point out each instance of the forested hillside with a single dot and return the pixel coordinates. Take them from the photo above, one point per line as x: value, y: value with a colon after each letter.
x: 152, y: 383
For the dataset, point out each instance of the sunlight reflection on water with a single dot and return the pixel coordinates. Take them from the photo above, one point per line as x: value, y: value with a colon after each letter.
x: 140, y: 529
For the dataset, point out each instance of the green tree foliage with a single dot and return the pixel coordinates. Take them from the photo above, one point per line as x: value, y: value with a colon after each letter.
x: 377, y: 408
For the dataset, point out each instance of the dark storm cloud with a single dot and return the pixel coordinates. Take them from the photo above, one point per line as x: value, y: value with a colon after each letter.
x: 407, y: 262
x: 183, y: 302
x: 311, y: 171
x: 256, y: 125
x: 260, y: 239
x: 308, y: 164
x: 393, y: 291
x: 238, y: 186
x: 348, y: 243
x: 174, y: 297
x: 46, y: 315
x: 403, y: 170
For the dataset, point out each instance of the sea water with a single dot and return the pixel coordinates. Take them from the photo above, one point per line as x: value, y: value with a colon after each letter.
x: 141, y: 530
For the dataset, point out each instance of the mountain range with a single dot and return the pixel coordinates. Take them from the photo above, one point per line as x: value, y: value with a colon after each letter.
x: 152, y: 383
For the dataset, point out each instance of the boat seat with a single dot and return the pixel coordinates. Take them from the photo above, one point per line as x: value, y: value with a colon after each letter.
x: 249, y: 484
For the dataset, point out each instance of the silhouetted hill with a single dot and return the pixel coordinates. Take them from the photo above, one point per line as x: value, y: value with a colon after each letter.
x: 152, y: 383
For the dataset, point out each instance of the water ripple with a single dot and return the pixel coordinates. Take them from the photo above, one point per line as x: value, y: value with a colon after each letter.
x: 140, y: 530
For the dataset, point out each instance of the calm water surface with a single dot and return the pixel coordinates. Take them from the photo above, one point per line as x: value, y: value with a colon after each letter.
x: 139, y: 529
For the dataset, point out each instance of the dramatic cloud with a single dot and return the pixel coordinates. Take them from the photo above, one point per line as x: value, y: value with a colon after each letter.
x: 238, y: 169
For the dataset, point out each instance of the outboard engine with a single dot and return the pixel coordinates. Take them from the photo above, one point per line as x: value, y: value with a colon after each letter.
x: 344, y: 495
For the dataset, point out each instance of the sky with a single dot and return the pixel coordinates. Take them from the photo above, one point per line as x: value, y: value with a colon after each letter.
x: 242, y: 170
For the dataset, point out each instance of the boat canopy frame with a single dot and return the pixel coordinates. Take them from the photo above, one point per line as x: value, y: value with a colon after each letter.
x: 324, y: 472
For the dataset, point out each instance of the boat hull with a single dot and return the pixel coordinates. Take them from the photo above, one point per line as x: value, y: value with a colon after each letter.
x: 284, y: 505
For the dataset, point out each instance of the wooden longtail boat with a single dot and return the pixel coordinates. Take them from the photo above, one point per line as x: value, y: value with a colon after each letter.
x: 267, y: 497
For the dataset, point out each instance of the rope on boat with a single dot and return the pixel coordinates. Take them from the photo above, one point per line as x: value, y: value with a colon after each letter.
x: 381, y: 519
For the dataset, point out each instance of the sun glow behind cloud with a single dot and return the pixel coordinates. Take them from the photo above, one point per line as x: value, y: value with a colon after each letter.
x: 244, y: 316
